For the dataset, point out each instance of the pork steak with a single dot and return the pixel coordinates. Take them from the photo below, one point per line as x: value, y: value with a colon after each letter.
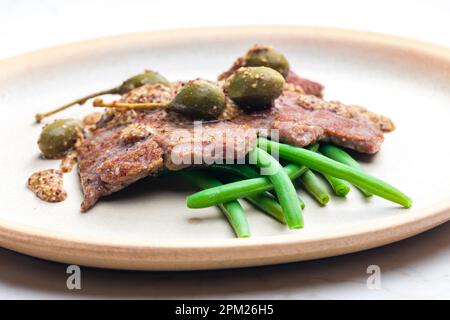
x: 126, y: 145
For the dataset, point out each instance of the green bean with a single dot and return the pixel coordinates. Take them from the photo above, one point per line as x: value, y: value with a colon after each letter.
x: 339, y: 186
x: 263, y: 201
x: 302, y: 203
x: 240, y: 170
x: 341, y: 156
x: 326, y: 165
x: 248, y: 172
x: 228, y: 192
x: 241, y: 189
x: 283, y: 186
x: 232, y: 209
x: 268, y: 205
x: 315, y: 187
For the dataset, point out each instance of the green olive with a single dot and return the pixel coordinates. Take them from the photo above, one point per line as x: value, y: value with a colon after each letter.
x: 254, y: 87
x: 148, y: 77
x: 265, y: 56
x: 59, y: 137
x: 199, y: 99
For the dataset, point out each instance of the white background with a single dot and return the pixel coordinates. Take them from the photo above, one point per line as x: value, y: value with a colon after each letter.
x: 414, y: 268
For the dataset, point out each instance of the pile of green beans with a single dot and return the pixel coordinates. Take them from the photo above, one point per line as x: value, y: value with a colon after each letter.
x: 264, y: 201
x: 241, y: 189
x: 283, y: 186
x: 336, y: 166
x: 326, y: 165
x: 232, y: 209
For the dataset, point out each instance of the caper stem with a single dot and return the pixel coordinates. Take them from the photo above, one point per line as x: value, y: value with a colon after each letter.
x: 124, y: 105
x: 80, y: 101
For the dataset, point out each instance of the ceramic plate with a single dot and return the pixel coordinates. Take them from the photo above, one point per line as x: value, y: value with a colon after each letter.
x: 148, y: 226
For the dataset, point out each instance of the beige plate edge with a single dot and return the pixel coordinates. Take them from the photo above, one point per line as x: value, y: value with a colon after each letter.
x: 227, y: 253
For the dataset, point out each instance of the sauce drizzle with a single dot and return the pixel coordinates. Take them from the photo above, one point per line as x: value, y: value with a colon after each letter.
x: 48, y: 185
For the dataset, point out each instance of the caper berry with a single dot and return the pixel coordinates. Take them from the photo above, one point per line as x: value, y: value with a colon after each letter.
x: 58, y: 137
x: 147, y: 77
x: 254, y: 87
x: 266, y: 56
x: 199, y: 99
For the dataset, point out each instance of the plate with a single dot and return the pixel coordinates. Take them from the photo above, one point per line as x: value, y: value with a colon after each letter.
x: 148, y: 226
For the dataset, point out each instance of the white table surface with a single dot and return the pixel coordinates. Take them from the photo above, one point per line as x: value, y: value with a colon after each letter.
x: 415, y: 268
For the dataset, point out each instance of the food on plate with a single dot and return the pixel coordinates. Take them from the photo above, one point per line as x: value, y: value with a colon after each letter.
x: 199, y: 99
x: 315, y: 187
x: 196, y: 99
x: 59, y: 137
x: 223, y: 136
x: 147, y: 77
x: 253, y: 88
x: 260, y: 56
x: 266, y: 56
x: 48, y: 185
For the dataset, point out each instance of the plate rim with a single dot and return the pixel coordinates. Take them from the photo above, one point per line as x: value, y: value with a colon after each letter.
x: 222, y: 253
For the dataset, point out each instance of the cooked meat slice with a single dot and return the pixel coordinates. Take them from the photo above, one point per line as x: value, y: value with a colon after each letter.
x: 129, y: 145
x: 300, y: 121
x: 308, y: 86
x: 106, y: 164
x: 348, y: 111
x: 345, y: 125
